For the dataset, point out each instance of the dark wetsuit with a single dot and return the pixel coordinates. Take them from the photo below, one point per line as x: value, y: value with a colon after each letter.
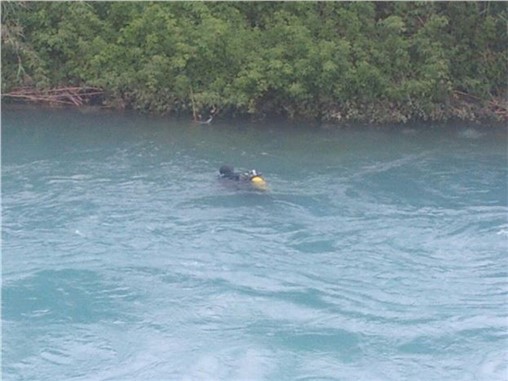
x: 227, y: 172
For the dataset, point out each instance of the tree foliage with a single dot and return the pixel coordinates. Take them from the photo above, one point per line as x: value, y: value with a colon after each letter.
x: 368, y: 61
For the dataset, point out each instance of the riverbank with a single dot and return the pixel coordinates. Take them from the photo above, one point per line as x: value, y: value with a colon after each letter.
x: 462, y: 108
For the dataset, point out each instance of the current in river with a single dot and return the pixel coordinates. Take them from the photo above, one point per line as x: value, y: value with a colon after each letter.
x: 375, y: 253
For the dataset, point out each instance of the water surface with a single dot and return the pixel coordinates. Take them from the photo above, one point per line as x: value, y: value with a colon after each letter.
x: 377, y: 254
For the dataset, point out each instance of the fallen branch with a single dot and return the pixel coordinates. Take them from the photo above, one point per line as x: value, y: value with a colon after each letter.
x: 458, y: 92
x: 76, y: 96
x: 84, y: 88
x: 34, y: 98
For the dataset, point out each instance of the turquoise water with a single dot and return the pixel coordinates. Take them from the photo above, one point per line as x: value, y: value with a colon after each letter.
x: 377, y: 254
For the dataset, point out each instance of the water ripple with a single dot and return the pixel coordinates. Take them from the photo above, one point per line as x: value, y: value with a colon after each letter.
x: 127, y: 260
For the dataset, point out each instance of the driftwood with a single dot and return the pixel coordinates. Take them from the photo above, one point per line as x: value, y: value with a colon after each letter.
x: 496, y: 105
x: 76, y: 96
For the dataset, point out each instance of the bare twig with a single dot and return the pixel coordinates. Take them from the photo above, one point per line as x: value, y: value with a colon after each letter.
x: 65, y: 95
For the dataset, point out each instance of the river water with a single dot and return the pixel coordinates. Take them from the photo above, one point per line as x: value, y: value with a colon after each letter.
x: 376, y: 254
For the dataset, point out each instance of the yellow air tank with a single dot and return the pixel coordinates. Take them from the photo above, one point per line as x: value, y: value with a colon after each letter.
x: 258, y: 182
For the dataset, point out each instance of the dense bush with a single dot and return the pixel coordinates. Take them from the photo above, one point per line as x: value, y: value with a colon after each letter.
x: 336, y: 61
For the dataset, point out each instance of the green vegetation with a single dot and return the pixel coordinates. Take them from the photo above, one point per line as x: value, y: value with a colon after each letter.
x: 332, y: 61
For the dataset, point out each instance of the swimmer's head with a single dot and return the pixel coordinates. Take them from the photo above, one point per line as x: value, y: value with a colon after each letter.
x: 226, y: 170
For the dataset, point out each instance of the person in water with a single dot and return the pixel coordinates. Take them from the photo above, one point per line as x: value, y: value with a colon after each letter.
x: 251, y: 177
x: 228, y: 172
